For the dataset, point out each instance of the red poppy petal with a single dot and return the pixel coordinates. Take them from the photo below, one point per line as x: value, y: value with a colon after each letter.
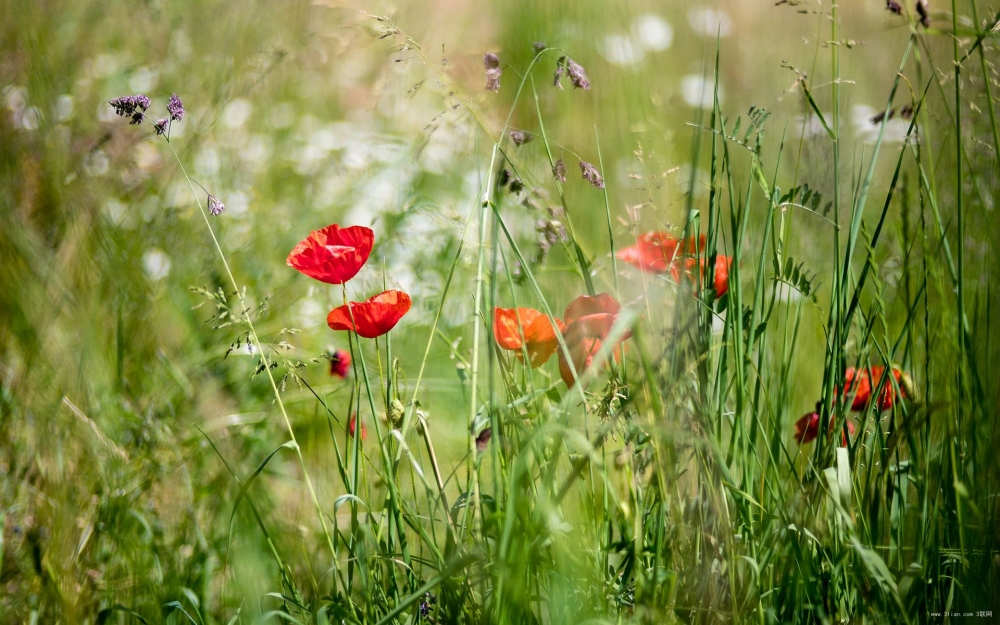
x: 373, y: 317
x: 722, y: 265
x: 591, y: 305
x: 645, y: 257
x: 807, y: 427
x: 655, y: 251
x: 510, y: 324
x: 541, y: 330
x: 333, y: 254
x: 583, y: 353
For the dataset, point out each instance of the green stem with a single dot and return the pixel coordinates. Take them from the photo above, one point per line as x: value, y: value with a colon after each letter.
x: 263, y: 356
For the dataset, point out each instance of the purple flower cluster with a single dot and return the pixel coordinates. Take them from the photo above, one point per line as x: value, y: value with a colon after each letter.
x: 215, y: 206
x: 559, y: 171
x: 924, y: 11
x: 591, y: 175
x: 131, y: 106
x: 492, y: 63
x: 577, y: 77
x: 135, y: 106
x: 521, y: 137
x: 176, y: 108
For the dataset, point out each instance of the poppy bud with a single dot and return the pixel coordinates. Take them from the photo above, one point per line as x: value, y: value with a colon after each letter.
x: 352, y: 424
x: 340, y: 363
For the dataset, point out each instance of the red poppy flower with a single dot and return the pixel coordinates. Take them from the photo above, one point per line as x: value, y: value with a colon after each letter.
x: 721, y: 278
x: 582, y: 351
x: 807, y: 428
x: 333, y: 255
x: 373, y: 317
x: 865, y: 384
x: 352, y: 425
x: 340, y: 363
x: 654, y: 251
x: 589, y: 320
x: 540, y: 340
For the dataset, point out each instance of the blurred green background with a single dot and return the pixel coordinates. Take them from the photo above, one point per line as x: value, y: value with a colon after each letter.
x: 302, y: 114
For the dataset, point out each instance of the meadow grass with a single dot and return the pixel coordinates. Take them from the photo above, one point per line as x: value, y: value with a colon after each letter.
x: 173, y: 449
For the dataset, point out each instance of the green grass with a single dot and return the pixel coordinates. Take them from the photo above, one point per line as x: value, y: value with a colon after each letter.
x: 153, y: 468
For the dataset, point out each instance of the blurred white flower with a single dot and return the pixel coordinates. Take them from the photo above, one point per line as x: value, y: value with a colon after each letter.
x: 698, y: 91
x: 787, y: 293
x: 809, y: 125
x: 64, y: 107
x: 15, y: 98
x: 311, y: 313
x: 180, y: 45
x: 622, y: 50
x: 114, y: 210
x: 653, y: 32
x: 143, y: 79
x: 867, y: 131
x: 28, y: 119
x: 237, y: 204
x: 257, y: 150
x: 104, y: 65
x: 96, y: 163
x: 156, y: 263
x: 719, y: 323
x: 237, y: 113
x: 710, y: 22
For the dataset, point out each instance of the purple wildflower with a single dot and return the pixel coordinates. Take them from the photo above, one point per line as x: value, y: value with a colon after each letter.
x: 881, y: 116
x: 924, y: 10
x: 176, y: 108
x: 521, y: 137
x: 427, y: 604
x: 483, y: 440
x: 591, y: 175
x: 538, y: 46
x: 161, y: 126
x: 215, y: 206
x: 577, y: 75
x: 492, y: 63
x: 503, y: 177
x: 559, y: 171
x: 557, y: 79
x: 895, y: 7
x: 132, y: 106
x: 552, y: 231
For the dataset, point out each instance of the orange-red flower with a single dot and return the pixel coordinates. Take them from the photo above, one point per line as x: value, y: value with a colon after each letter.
x: 655, y: 251
x: 353, y: 424
x: 373, y: 317
x: 340, y: 363
x: 807, y: 428
x: 721, y: 278
x: 539, y: 336
x: 589, y: 320
x: 865, y: 384
x: 333, y: 254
